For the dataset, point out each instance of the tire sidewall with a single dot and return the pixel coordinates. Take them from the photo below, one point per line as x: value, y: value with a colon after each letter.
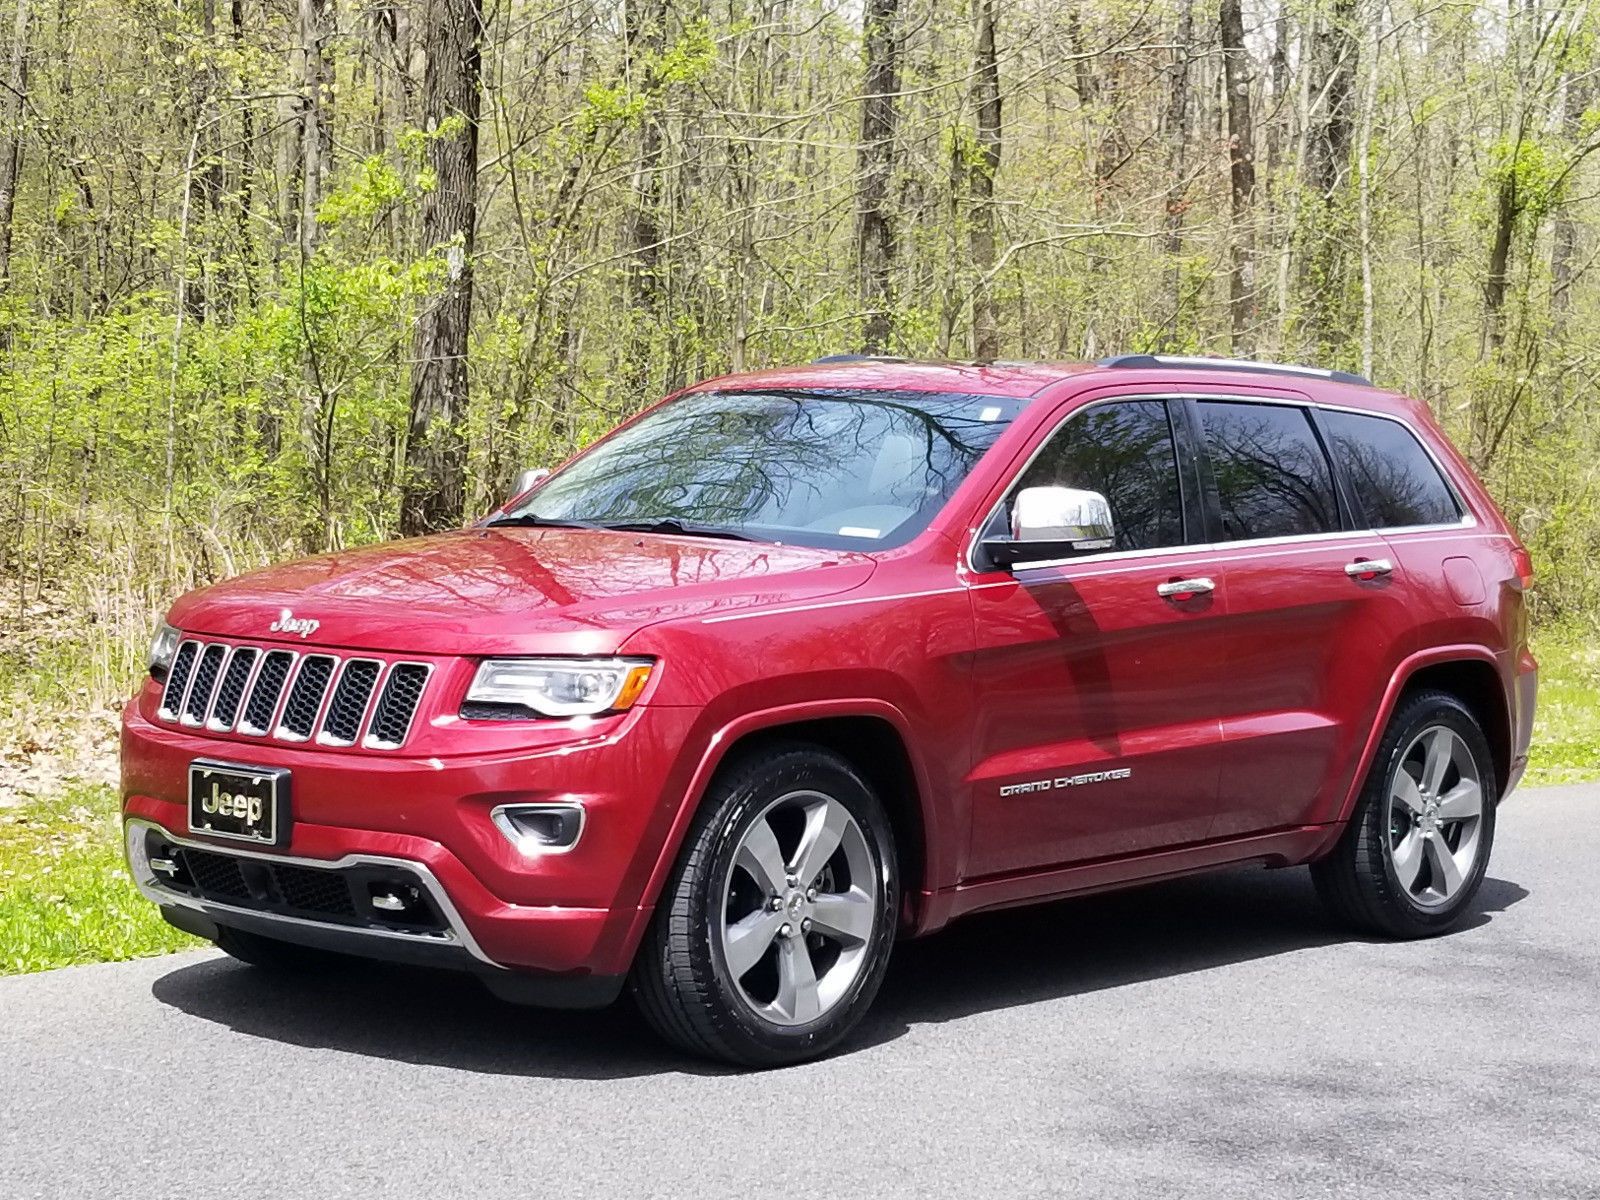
x: 740, y: 807
x: 1425, y: 713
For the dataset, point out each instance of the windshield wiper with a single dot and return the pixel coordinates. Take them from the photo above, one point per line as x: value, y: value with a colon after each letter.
x: 534, y: 519
x: 675, y: 525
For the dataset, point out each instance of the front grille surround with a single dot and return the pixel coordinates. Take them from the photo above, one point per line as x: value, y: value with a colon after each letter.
x: 271, y: 693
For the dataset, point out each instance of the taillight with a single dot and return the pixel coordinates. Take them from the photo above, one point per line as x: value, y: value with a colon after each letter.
x: 1523, y: 561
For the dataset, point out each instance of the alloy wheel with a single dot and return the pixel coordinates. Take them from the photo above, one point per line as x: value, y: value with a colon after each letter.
x: 1435, y: 817
x: 799, y: 908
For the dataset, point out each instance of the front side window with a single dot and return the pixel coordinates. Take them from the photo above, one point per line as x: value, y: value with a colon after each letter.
x: 1272, y: 478
x: 1124, y: 450
x: 1394, y: 480
x: 830, y: 468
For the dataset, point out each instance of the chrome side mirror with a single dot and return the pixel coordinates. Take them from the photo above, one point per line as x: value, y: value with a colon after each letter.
x: 527, y: 478
x: 1053, y: 522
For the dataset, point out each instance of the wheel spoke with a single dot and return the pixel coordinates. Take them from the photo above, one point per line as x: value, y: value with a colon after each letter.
x: 825, y: 826
x: 1461, y: 802
x: 844, y: 916
x: 1404, y: 793
x: 761, y: 858
x: 797, y: 996
x: 1437, y: 753
x: 1446, y: 874
x: 1407, y: 858
x: 746, y: 941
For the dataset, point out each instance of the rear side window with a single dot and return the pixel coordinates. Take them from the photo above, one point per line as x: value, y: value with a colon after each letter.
x: 1273, y: 480
x: 1123, y: 450
x: 1394, y: 480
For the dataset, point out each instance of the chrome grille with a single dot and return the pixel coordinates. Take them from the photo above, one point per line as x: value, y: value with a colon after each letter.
x: 397, y: 704
x: 291, y: 697
x: 205, y: 681
x: 178, y: 679
x: 305, y: 697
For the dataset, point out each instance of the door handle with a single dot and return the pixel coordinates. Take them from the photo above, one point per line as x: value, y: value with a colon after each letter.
x: 1185, y: 589
x: 1368, y: 568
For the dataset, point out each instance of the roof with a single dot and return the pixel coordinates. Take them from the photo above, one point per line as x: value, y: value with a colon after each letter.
x: 1024, y: 379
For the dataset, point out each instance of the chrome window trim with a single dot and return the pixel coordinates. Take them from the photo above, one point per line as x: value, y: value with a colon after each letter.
x: 969, y: 560
x: 368, y: 741
x: 155, y: 891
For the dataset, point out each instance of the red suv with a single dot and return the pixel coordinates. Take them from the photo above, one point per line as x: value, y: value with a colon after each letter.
x: 799, y: 662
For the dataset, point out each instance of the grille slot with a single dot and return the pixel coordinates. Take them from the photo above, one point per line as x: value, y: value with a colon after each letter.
x: 397, y: 704
x: 313, y: 890
x: 216, y: 874
x: 230, y: 693
x: 264, y: 695
x: 205, y: 681
x: 305, y: 697
x: 351, y: 696
x: 178, y: 679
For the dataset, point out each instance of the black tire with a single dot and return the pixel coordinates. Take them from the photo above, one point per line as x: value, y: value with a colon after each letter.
x: 269, y: 953
x: 680, y: 979
x: 1357, y: 880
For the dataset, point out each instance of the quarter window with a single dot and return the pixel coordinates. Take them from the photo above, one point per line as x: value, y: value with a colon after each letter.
x: 1273, y: 480
x: 1124, y: 451
x: 1394, y: 480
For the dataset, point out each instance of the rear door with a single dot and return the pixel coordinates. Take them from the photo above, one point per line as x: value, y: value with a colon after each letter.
x: 1096, y: 695
x: 1317, y: 615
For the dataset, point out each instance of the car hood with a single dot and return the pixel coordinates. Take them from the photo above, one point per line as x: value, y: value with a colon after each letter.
x: 511, y: 590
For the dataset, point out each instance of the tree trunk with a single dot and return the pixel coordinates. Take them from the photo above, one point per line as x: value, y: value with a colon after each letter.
x: 1242, y: 175
x: 1177, y: 139
x: 205, y: 181
x: 1334, y: 53
x: 982, y: 166
x: 11, y: 136
x: 875, y: 235
x: 645, y: 33
x: 1564, y: 234
x: 433, y: 494
x: 316, y: 116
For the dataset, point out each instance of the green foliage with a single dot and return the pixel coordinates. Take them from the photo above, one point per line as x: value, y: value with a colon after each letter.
x: 65, y: 893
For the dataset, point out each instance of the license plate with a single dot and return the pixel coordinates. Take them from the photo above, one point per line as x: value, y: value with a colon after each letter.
x: 247, y: 804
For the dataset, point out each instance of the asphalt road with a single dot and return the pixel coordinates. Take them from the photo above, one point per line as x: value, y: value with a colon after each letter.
x: 1207, y: 1037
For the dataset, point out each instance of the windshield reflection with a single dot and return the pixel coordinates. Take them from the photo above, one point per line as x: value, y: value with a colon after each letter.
x: 837, y: 468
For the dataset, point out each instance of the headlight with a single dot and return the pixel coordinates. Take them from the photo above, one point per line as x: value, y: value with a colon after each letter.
x: 556, y: 687
x: 162, y: 647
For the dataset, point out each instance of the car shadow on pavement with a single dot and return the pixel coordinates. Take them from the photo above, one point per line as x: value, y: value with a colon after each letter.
x: 985, y: 963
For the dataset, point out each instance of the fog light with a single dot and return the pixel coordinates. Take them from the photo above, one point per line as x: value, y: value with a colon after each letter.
x: 540, y: 828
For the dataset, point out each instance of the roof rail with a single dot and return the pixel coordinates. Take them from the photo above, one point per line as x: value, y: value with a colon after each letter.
x: 854, y: 358
x: 1231, y: 364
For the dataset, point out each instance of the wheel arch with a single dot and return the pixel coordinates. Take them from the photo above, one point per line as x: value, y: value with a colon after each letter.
x: 1468, y: 672
x: 872, y: 735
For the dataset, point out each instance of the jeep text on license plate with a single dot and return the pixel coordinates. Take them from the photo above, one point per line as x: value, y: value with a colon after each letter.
x: 247, y: 804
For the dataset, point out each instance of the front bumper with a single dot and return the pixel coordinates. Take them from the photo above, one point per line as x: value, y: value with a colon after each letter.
x: 514, y: 917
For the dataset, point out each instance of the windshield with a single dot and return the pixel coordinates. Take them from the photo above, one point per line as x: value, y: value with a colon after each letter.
x: 828, y: 468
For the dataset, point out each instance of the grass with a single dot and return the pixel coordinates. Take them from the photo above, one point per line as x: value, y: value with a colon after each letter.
x: 65, y: 895
x: 1566, y: 727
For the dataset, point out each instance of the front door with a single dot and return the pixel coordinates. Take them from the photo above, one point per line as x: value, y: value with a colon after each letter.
x: 1096, y: 686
